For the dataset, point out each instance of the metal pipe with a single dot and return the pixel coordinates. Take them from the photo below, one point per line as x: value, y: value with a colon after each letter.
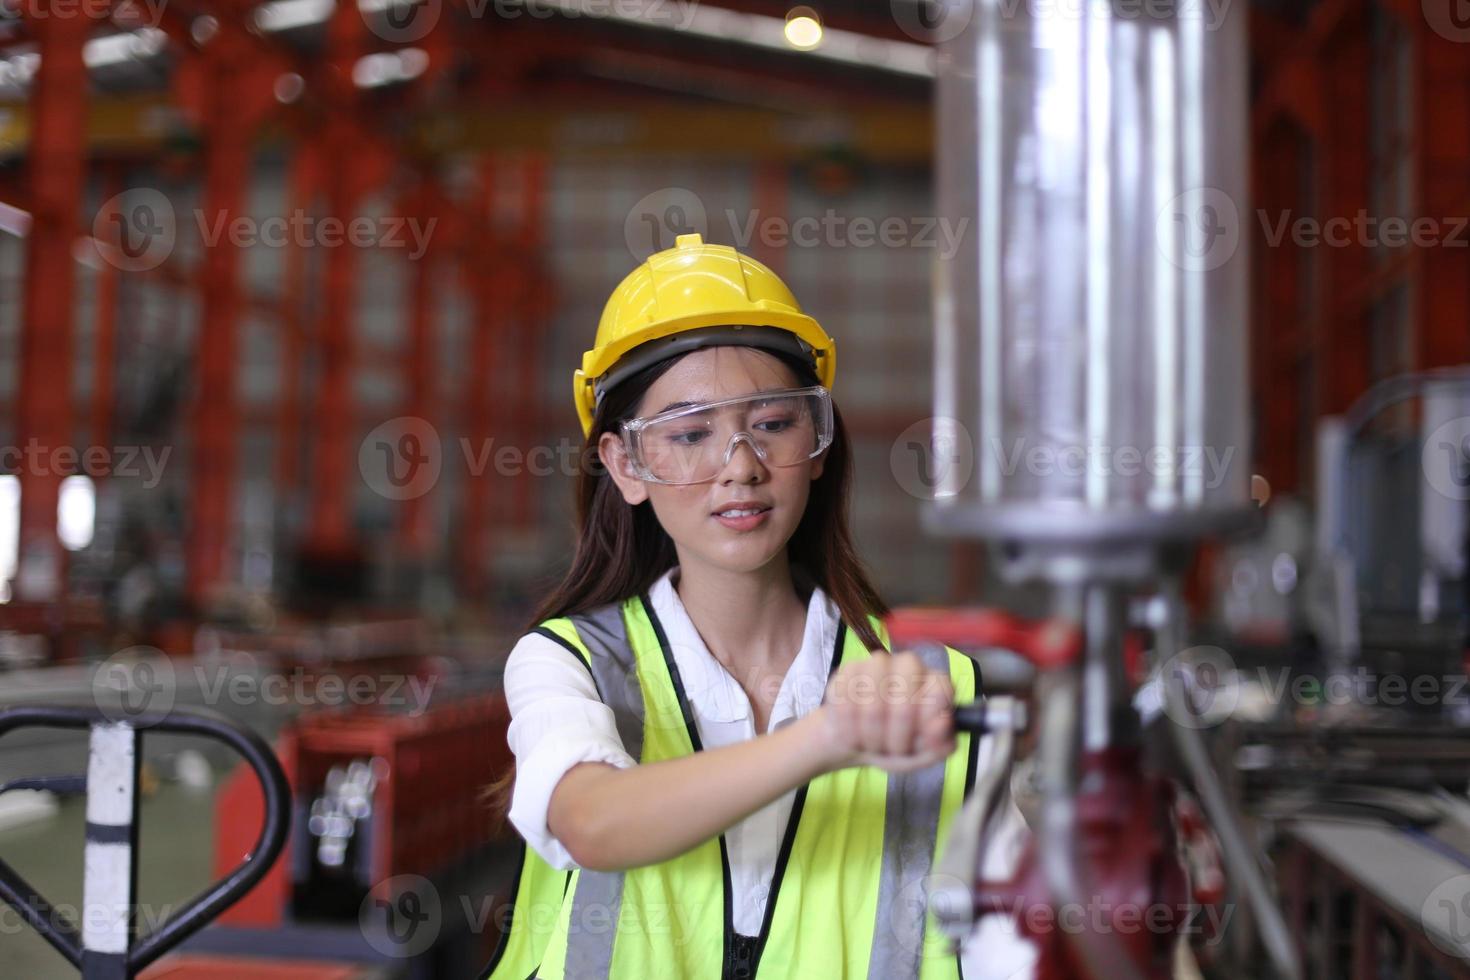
x: 1102, y: 955
x: 1239, y: 857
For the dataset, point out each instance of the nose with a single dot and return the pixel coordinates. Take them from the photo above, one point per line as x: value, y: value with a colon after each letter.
x: 742, y: 463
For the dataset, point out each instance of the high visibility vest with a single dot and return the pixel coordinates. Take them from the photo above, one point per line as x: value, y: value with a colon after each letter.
x: 847, y: 897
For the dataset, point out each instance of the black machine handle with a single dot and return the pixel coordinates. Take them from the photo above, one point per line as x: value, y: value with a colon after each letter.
x: 219, y: 896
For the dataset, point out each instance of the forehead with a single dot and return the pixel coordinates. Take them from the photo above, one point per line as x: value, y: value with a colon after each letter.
x: 716, y: 372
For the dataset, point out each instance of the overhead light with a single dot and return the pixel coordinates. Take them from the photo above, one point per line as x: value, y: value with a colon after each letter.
x: 121, y: 48
x: 757, y: 30
x: 803, y: 28
x: 285, y: 15
x: 389, y: 67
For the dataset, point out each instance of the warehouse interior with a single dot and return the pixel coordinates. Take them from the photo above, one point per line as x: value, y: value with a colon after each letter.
x: 291, y: 295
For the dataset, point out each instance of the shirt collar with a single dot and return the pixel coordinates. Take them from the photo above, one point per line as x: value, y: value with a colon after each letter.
x: 716, y: 696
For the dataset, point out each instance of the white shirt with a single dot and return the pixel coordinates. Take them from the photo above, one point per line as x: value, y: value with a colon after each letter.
x: 558, y: 721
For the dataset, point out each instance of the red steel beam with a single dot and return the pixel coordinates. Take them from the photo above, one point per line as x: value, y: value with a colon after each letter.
x: 235, y: 98
x: 104, y: 339
x: 360, y: 164
x: 44, y: 397
x: 415, y: 526
x: 485, y: 280
x: 1442, y: 159
x: 532, y: 307
x: 304, y: 185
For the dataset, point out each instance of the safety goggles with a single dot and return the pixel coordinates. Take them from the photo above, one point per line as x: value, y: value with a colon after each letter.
x: 693, y: 443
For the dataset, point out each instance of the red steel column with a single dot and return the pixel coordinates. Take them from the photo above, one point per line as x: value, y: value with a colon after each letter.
x: 236, y: 99
x: 104, y: 341
x: 43, y: 407
x: 1344, y: 160
x: 216, y: 411
x: 532, y: 308
x: 357, y: 167
x: 305, y: 183
x: 484, y: 280
x: 415, y: 517
x: 1442, y: 158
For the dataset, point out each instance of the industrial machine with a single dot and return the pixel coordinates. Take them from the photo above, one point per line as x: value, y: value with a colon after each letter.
x: 1091, y: 425
x: 1091, y: 348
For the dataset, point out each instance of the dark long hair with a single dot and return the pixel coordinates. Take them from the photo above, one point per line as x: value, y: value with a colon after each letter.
x: 622, y: 550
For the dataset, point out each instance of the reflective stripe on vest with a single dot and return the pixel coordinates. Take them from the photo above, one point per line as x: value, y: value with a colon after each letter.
x: 847, y: 893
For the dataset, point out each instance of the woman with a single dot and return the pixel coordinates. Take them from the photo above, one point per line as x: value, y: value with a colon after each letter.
x: 715, y: 775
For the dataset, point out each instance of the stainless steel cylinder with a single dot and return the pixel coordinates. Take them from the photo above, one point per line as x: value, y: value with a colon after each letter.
x: 1091, y: 325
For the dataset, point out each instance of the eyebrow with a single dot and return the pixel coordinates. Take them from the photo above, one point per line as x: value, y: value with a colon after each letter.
x: 673, y: 405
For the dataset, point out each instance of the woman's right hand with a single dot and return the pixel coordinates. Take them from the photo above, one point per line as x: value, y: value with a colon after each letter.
x: 888, y: 711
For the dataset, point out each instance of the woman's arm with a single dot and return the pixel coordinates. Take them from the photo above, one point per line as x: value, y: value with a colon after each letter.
x: 887, y: 711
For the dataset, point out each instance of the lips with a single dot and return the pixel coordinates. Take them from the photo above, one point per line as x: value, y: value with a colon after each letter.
x: 743, y: 508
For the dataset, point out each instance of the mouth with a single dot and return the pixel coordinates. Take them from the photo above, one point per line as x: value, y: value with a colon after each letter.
x: 743, y: 518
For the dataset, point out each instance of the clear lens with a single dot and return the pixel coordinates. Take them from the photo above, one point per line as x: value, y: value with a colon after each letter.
x: 691, y: 445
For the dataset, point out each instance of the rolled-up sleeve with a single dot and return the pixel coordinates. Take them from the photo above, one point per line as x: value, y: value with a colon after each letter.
x: 557, y: 722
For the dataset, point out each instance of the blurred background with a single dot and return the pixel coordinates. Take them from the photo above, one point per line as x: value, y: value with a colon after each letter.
x: 291, y: 294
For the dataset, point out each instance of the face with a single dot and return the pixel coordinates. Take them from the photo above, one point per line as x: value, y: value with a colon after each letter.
x: 688, y: 513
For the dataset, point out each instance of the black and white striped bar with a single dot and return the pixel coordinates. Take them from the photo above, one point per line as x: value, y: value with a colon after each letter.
x: 110, y: 884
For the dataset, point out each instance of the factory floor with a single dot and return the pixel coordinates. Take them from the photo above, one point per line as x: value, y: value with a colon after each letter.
x: 176, y: 838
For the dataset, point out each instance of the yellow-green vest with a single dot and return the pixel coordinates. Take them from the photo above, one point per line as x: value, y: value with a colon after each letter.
x: 847, y: 896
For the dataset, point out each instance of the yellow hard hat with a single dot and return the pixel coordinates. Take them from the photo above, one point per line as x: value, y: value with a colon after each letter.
x: 690, y: 296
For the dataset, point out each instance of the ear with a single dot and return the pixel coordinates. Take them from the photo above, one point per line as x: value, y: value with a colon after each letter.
x: 614, y: 456
x: 819, y: 464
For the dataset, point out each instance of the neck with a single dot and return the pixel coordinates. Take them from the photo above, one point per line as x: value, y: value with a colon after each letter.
x: 747, y: 619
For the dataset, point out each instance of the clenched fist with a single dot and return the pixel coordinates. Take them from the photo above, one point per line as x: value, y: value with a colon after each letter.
x: 889, y: 711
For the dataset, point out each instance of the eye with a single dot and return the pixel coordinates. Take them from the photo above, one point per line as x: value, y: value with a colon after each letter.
x: 688, y: 437
x: 780, y: 424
